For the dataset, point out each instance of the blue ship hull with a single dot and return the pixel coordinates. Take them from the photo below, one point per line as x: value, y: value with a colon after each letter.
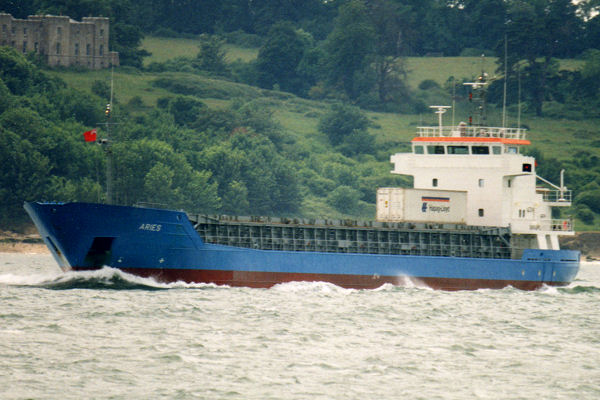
x: 163, y: 244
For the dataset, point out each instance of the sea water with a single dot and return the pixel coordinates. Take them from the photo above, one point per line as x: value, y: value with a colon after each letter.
x: 109, y: 335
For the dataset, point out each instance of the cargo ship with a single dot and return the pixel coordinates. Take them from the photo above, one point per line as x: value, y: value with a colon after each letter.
x: 474, y: 218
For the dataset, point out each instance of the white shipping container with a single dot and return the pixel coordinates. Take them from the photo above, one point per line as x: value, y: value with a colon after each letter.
x: 421, y: 205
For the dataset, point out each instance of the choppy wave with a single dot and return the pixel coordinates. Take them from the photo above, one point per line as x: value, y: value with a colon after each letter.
x: 102, y: 279
x: 132, y: 337
x: 577, y: 289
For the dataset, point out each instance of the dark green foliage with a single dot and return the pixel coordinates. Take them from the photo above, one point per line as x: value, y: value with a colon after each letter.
x: 185, y: 109
x: 237, y: 158
x: 584, y: 213
x: 590, y: 198
x: 346, y: 127
x: 211, y: 57
x: 428, y: 84
x: 24, y: 171
x: 279, y: 58
x: 349, y: 46
x: 18, y: 74
x: 344, y: 199
x: 341, y: 121
x: 101, y: 89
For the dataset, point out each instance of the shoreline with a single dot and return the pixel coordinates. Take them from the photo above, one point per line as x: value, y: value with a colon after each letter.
x: 12, y: 242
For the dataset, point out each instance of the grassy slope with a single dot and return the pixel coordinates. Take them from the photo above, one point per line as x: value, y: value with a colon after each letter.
x: 299, y: 116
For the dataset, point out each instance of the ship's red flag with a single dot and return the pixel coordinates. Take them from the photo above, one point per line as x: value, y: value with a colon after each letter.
x: 90, y: 136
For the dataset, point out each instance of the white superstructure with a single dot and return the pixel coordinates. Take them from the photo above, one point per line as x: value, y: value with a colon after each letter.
x: 500, y: 183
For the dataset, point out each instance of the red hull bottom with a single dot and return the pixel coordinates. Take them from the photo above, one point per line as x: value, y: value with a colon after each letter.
x: 254, y: 279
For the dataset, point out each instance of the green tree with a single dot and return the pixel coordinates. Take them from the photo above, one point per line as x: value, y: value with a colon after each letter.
x: 126, y: 39
x: 341, y: 121
x: 23, y: 176
x: 590, y: 74
x: 349, y: 46
x: 158, y: 184
x: 387, y: 18
x: 212, y: 56
x: 537, y: 31
x: 344, y: 199
x: 185, y: 109
x: 278, y: 59
x: 18, y: 74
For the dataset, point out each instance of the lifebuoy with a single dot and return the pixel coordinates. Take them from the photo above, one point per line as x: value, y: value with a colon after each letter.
x: 565, y: 225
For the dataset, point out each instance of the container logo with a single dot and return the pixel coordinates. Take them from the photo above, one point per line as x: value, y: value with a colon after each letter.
x: 436, y: 207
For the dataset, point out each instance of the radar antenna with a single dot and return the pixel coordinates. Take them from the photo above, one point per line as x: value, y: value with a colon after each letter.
x: 440, y: 111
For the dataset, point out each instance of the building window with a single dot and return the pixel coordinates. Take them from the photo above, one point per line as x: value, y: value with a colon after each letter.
x: 101, y: 32
x: 434, y: 182
x: 101, y: 50
x: 481, y: 182
x: 58, y: 48
x: 36, y: 47
x: 435, y: 150
x: 76, y: 49
x: 481, y: 212
x: 59, y: 31
x: 24, y: 31
x: 12, y: 30
x: 3, y: 28
x: 480, y: 150
x: 87, y: 49
x: 458, y: 149
x: 24, y: 46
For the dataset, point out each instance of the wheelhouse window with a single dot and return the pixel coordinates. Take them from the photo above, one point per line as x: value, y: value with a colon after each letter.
x: 512, y: 150
x: 480, y: 150
x: 458, y: 149
x: 419, y: 150
x: 497, y: 149
x: 435, y: 150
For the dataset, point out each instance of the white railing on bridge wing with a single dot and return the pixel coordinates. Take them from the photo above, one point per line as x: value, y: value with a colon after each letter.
x: 556, y: 196
x: 472, y: 131
x: 555, y: 225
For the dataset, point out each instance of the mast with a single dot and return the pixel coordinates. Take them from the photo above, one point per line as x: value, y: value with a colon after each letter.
x: 107, y: 145
x: 109, y: 160
x: 505, y: 79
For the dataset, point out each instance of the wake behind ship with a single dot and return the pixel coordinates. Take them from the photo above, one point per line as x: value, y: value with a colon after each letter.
x: 475, y: 218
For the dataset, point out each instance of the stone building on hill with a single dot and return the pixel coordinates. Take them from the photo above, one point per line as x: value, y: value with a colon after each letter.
x: 60, y: 40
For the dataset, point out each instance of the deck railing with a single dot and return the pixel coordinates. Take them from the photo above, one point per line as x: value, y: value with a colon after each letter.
x: 555, y: 196
x: 554, y: 225
x: 472, y: 131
